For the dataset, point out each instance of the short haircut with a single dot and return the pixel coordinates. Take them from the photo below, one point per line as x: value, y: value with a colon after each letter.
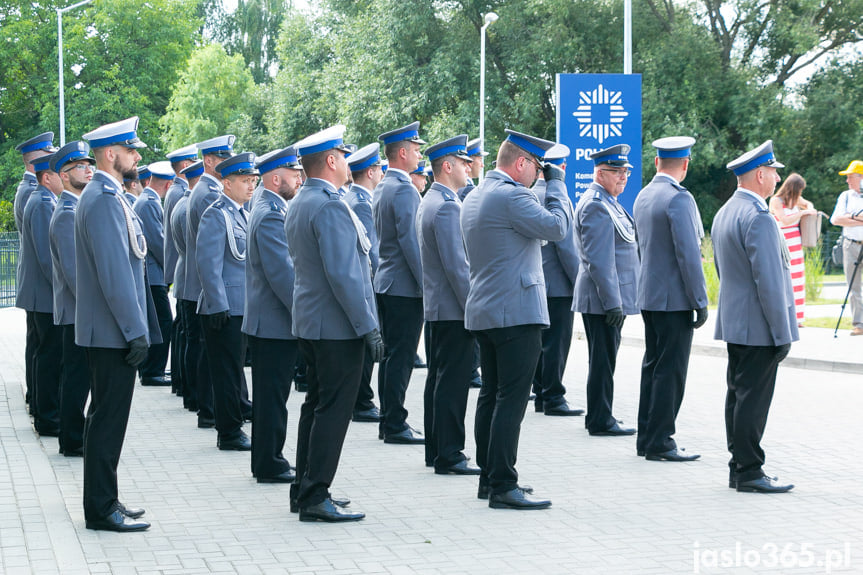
x: 437, y: 163
x: 392, y: 150
x: 671, y: 163
x: 315, y: 162
x: 508, y: 153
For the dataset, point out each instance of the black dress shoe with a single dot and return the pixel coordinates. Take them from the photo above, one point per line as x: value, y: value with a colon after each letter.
x: 476, y: 381
x: 408, y: 436
x: 371, y: 415
x: 671, y: 455
x: 615, y: 430
x: 239, y: 442
x: 538, y: 405
x: 340, y: 502
x: 329, y: 512
x: 284, y: 477
x: 247, y: 416
x: 156, y: 381
x: 301, y: 386
x: 77, y: 452
x: 117, y: 522
x: 763, y: 484
x: 460, y: 468
x: 483, y: 491
x: 133, y: 512
x: 561, y: 408
x: 206, y: 423
x: 640, y: 452
x: 517, y: 499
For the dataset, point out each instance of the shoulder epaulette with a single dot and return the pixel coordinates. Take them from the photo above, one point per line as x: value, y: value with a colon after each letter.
x: 219, y: 204
x: 68, y: 205
x: 275, y: 207
x: 448, y: 196
x: 761, y: 207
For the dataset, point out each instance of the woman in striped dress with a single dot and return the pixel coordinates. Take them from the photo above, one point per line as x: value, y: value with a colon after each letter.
x: 788, y: 206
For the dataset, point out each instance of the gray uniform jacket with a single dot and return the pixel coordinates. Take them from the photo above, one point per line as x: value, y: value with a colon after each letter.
x: 62, y: 239
x: 503, y: 223
x: 608, y: 274
x: 269, y: 271
x: 113, y: 304
x: 360, y: 201
x: 178, y: 233
x: 223, y: 275
x: 333, y: 296
x: 671, y: 277
x: 36, y: 292
x: 395, y: 205
x: 175, y: 192
x: 25, y: 187
x: 148, y: 206
x: 205, y: 192
x: 559, y: 259
x: 446, y: 274
x: 22, y: 194
x: 465, y: 190
x: 756, y: 301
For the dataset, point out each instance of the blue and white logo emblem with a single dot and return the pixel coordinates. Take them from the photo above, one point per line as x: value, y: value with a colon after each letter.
x: 600, y: 113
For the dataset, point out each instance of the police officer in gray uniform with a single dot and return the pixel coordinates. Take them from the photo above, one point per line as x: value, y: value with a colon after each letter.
x: 31, y: 149
x: 446, y: 280
x: 36, y: 295
x: 334, y: 318
x: 75, y: 168
x: 204, y: 193
x: 366, y: 174
x: 398, y: 279
x: 503, y: 224
x: 180, y: 159
x: 560, y: 268
x: 670, y: 288
x: 477, y: 155
x: 756, y: 315
x: 267, y: 315
x: 148, y: 206
x: 607, y: 283
x: 221, y: 261
x: 186, y: 308
x: 114, y: 318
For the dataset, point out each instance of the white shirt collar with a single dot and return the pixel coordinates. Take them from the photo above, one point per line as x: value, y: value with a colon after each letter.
x: 754, y: 195
x: 281, y: 199
x: 398, y: 171
x: 112, y: 179
x: 667, y: 176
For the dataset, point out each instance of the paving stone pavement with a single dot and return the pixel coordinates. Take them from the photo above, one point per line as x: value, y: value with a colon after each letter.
x: 612, y: 511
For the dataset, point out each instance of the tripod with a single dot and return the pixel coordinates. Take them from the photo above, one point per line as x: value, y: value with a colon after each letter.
x: 850, y: 285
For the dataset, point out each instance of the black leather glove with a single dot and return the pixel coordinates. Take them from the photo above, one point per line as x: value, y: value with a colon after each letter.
x: 614, y: 317
x: 138, y: 348
x: 782, y: 351
x: 551, y: 172
x: 375, y: 344
x: 218, y: 320
x: 700, y: 317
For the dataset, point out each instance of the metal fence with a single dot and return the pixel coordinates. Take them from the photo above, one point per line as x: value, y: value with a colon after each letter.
x: 8, y: 263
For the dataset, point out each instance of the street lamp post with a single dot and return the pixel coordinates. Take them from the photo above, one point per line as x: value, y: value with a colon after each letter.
x: 60, y: 12
x: 489, y: 19
x: 627, y: 37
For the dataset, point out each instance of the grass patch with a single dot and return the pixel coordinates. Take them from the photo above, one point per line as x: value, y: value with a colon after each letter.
x: 827, y: 322
x: 825, y: 301
x: 834, y: 278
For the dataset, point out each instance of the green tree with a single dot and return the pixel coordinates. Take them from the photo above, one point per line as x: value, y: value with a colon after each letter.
x: 121, y: 59
x: 209, y: 96
x: 252, y: 30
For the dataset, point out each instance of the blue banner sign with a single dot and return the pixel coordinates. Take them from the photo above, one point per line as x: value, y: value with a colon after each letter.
x: 596, y: 111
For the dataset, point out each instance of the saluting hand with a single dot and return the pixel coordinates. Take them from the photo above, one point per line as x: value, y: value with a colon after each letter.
x: 552, y: 172
x: 375, y: 344
x: 137, y: 351
x: 700, y: 317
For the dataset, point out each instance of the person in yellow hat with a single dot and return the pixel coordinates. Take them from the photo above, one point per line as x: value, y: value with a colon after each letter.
x: 848, y: 213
